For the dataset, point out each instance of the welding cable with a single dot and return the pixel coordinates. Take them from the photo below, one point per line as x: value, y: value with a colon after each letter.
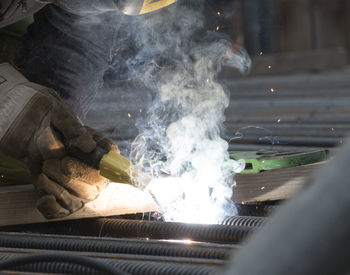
x: 244, y: 221
x: 168, y: 230
x: 116, y: 246
x: 73, y: 259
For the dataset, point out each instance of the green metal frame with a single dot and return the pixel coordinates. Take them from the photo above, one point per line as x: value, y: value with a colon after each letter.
x: 259, y: 161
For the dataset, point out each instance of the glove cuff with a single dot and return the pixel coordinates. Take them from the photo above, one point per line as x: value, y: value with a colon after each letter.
x: 13, y: 96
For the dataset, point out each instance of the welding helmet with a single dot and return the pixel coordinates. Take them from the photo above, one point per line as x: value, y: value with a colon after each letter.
x: 135, y: 7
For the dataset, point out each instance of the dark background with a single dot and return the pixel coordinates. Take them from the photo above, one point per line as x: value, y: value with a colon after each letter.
x: 315, y: 33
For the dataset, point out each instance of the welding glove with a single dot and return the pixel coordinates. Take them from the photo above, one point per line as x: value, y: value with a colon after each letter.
x: 34, y: 121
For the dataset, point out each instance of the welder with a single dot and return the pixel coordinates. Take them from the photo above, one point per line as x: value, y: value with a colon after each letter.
x: 66, y: 52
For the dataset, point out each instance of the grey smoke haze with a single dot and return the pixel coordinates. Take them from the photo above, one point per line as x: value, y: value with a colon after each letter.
x: 178, y: 60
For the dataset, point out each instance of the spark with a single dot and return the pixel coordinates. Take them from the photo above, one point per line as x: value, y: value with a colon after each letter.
x: 219, y: 13
x: 129, y: 115
x: 272, y: 90
x: 261, y: 53
x: 332, y: 129
x: 269, y: 67
x: 185, y: 241
x: 279, y: 120
x: 140, y: 110
x: 188, y: 241
x: 217, y: 28
x: 262, y: 188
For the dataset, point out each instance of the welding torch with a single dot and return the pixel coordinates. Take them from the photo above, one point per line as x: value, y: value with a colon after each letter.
x: 112, y: 165
x: 115, y: 167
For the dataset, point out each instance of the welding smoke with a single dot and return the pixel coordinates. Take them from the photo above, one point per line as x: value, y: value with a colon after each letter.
x: 179, y: 145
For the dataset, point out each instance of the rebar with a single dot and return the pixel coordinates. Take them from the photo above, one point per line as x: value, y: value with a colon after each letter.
x: 119, y: 228
x: 118, y: 246
x: 135, y: 268
x: 167, y: 230
x: 244, y: 221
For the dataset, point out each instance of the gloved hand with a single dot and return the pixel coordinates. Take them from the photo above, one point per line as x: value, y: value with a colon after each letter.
x: 34, y: 121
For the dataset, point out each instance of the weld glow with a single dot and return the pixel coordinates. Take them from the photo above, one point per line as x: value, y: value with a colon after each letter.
x: 202, y: 193
x: 184, y: 200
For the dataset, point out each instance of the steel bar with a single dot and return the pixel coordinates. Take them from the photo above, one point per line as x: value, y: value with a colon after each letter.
x: 253, y: 118
x: 285, y: 93
x: 300, y: 81
x: 111, y: 245
x: 24, y: 262
x: 244, y: 221
x: 276, y: 147
x: 130, y: 267
x: 165, y: 230
x: 118, y: 257
x: 293, y: 141
x: 292, y: 129
x: 118, y: 228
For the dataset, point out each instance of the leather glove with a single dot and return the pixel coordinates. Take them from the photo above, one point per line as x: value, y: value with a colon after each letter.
x: 34, y: 121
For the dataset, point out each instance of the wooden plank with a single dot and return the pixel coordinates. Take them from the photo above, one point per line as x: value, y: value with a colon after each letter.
x: 273, y: 185
x: 17, y: 204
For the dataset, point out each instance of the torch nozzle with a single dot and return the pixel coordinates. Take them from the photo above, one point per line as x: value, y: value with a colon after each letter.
x: 118, y: 168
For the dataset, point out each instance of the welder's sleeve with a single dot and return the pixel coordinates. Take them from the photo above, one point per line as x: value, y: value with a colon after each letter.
x: 70, y: 54
x: 37, y: 127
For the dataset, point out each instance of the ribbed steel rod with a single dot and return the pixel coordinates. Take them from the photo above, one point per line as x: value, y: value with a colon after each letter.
x: 109, y: 245
x: 118, y: 257
x: 244, y: 221
x: 135, y: 268
x: 28, y: 260
x: 166, y: 230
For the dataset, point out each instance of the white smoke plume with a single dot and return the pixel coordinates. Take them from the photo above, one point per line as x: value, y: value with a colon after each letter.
x: 179, y: 145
